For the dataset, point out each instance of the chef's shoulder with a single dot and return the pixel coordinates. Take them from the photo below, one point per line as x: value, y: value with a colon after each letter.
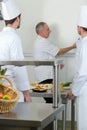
x: 9, y: 35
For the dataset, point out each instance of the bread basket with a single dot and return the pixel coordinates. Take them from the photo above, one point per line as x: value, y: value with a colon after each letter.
x: 7, y: 105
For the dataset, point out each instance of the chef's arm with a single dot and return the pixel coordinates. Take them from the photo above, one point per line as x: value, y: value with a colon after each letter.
x: 22, y: 82
x: 64, y: 50
x: 27, y: 97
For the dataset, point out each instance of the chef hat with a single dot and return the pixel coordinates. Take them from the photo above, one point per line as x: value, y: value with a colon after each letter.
x: 9, y: 9
x: 83, y: 17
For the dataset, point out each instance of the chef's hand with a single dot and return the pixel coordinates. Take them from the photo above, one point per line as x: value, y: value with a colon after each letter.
x: 70, y: 95
x: 74, y: 45
x: 27, y: 97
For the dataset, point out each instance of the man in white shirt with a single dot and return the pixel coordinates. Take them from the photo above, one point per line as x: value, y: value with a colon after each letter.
x: 44, y: 50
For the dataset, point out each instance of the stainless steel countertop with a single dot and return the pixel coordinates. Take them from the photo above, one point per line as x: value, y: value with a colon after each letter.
x: 46, y: 94
x: 49, y: 94
x: 30, y: 115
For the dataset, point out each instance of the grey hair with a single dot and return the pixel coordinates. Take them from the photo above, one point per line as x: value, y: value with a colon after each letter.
x: 39, y: 27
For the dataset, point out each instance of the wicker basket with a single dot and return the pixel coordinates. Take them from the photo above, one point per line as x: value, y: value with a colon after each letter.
x: 8, y: 105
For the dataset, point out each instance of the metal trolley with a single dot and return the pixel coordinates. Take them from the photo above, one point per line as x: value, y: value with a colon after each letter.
x: 56, y: 67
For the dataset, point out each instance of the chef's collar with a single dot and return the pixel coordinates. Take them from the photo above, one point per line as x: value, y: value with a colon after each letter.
x: 39, y: 37
x: 9, y: 28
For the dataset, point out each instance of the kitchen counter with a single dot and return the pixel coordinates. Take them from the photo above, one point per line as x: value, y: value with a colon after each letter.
x: 49, y: 94
x: 30, y: 115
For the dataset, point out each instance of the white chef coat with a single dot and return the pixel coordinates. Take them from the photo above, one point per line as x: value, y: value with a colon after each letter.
x: 79, y: 87
x: 81, y: 67
x: 10, y: 49
x: 44, y: 50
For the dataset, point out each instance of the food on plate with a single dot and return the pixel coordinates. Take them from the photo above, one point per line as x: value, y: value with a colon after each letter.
x: 34, y: 84
x: 39, y: 89
x: 44, y: 86
x: 65, y: 84
x: 48, y: 86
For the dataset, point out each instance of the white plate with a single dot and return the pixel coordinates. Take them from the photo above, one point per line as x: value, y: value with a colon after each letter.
x: 45, y: 86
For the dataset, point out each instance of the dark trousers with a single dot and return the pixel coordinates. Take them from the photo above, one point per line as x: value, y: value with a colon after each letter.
x: 47, y: 81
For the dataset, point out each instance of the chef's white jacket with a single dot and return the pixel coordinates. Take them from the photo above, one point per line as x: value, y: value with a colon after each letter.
x: 79, y: 87
x: 44, y: 50
x: 80, y: 78
x: 10, y: 49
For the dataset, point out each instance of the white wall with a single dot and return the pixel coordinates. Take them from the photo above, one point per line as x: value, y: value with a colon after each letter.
x: 61, y: 16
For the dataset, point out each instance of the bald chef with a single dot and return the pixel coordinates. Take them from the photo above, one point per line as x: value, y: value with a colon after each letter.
x: 11, y: 49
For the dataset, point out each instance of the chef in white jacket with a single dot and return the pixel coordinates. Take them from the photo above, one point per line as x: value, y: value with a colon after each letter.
x: 45, y: 50
x: 79, y: 86
x: 11, y: 49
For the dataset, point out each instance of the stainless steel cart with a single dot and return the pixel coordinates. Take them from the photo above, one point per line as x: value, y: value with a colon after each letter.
x: 56, y: 67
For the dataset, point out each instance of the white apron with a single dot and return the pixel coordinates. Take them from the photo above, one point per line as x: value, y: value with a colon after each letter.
x: 82, y: 109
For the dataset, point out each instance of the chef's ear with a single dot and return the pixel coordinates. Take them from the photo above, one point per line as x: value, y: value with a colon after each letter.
x: 17, y: 19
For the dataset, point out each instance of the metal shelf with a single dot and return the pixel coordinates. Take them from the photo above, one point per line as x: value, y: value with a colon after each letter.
x: 56, y: 67
x: 32, y: 62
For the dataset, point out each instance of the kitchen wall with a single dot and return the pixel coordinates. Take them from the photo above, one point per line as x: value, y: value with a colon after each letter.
x: 61, y: 16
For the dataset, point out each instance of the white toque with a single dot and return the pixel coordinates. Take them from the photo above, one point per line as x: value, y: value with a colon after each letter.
x: 82, y: 21
x: 9, y: 9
